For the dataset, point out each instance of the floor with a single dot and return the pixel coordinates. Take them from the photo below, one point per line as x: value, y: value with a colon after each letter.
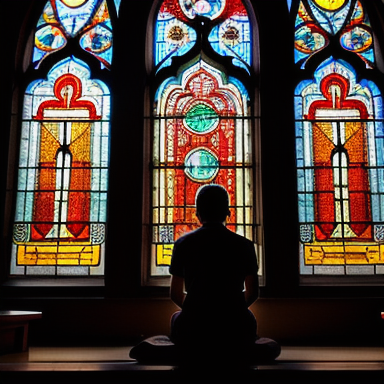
x: 110, y: 365
x: 67, y: 354
x: 121, y: 354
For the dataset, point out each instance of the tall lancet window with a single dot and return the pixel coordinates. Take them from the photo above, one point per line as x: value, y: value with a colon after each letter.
x: 339, y: 140
x: 204, y: 128
x: 61, y: 203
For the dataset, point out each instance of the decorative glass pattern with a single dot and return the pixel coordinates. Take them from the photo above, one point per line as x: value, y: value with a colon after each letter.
x: 309, y: 36
x: 331, y: 15
x: 64, y: 20
x: 177, y: 31
x: 318, y: 21
x: 62, y: 187
x: 357, y: 35
x: 339, y: 143
x: 233, y: 36
x: 173, y: 36
x: 202, y: 119
x: 339, y: 148
x: 202, y: 134
x: 207, y: 8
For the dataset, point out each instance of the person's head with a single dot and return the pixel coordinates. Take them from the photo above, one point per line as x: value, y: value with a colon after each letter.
x: 212, y: 203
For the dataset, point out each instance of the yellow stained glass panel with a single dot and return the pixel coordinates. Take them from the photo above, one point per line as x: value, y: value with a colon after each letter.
x: 339, y: 253
x: 164, y: 254
x: 74, y: 3
x: 58, y: 254
x: 330, y: 5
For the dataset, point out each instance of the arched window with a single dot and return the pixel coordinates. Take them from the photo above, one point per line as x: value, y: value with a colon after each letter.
x: 61, y: 204
x: 203, y: 119
x: 339, y: 140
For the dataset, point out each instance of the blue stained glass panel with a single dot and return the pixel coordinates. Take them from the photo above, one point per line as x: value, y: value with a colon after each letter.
x: 376, y: 211
x: 381, y: 219
x: 48, y: 15
x: 98, y: 41
x: 172, y: 38
x: 233, y: 38
x: 368, y: 55
x: 74, y: 19
x: 49, y: 38
x: 331, y: 22
x: 300, y: 180
x: 356, y: 39
x: 298, y: 111
x: 301, y: 204
x: 239, y: 85
x: 299, y: 152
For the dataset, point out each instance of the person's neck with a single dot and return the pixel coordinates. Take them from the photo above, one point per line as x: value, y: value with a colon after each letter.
x: 213, y: 223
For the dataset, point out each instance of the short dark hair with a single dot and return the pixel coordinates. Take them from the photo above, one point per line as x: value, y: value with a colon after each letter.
x: 212, y: 203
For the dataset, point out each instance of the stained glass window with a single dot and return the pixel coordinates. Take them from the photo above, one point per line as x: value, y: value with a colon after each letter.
x: 173, y: 36
x: 62, y: 20
x: 233, y: 36
x: 202, y: 130
x: 339, y: 145
x: 63, y: 174
x: 175, y: 30
x: 318, y: 21
x: 61, y: 204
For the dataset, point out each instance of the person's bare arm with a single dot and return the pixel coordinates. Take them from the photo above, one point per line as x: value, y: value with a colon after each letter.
x: 177, y: 290
x: 251, y: 289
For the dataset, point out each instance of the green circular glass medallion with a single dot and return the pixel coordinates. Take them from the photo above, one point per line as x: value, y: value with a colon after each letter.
x: 201, y: 119
x: 201, y: 165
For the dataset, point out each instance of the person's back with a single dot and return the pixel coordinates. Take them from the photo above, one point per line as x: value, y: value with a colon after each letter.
x: 214, y: 263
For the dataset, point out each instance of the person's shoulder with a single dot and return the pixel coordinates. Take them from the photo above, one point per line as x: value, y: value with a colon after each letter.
x: 238, y: 238
x: 187, y: 237
x: 237, y: 235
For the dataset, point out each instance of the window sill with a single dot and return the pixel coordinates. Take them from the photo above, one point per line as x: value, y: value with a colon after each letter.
x: 54, y: 282
x: 53, y: 287
x: 342, y: 281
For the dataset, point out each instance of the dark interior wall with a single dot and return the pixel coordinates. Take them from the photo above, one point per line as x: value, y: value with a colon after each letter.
x: 323, y: 322
x: 287, y: 312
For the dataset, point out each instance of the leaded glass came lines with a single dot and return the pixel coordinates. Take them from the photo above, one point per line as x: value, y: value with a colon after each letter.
x: 202, y: 134
x: 61, y: 207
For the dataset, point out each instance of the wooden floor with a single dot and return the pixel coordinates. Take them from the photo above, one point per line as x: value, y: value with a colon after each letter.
x: 112, y: 365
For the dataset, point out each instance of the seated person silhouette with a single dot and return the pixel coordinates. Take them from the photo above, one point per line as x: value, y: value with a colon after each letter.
x: 214, y: 281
